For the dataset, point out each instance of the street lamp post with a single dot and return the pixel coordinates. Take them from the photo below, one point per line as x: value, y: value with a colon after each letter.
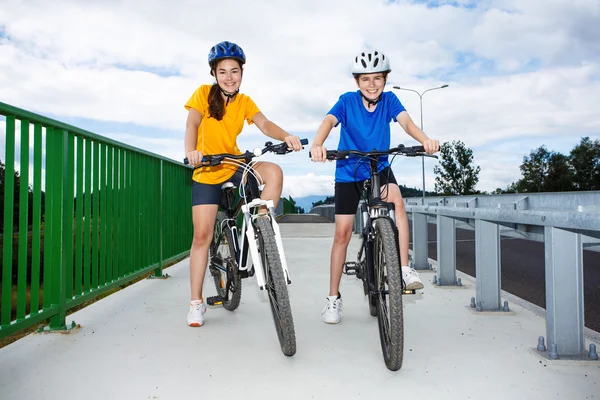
x: 421, y: 103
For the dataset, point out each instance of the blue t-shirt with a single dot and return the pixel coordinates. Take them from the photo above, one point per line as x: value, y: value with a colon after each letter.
x: 364, y: 131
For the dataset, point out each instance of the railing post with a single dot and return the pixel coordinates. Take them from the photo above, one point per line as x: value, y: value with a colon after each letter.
x: 7, y: 250
x: 420, y: 239
x: 564, y: 291
x: 60, y: 229
x: 487, y: 265
x: 446, y: 251
x: 158, y: 271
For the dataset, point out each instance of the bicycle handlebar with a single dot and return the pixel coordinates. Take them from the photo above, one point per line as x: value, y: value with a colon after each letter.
x: 412, y: 151
x: 216, y: 159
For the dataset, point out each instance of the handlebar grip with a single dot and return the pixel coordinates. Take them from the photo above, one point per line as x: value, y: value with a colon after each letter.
x: 420, y: 149
x: 204, y: 159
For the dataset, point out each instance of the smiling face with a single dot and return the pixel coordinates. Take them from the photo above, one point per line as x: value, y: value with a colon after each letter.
x: 229, y: 75
x: 371, y: 85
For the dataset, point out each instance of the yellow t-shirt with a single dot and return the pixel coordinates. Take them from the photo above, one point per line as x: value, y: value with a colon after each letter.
x: 216, y: 137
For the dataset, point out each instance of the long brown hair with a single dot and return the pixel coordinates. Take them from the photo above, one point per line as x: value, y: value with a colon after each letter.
x: 216, y: 104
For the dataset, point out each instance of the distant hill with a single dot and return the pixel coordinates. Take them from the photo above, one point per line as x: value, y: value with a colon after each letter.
x: 306, y: 202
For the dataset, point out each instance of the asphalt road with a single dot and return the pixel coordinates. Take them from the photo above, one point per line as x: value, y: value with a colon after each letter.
x: 522, y: 270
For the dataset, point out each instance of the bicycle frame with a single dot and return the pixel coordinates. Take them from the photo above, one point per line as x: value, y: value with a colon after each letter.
x: 373, y: 209
x: 248, y: 232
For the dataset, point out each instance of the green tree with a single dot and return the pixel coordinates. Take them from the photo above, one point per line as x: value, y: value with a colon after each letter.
x: 560, y: 174
x: 414, y: 192
x: 16, y: 199
x: 328, y: 200
x: 534, y: 170
x: 291, y: 207
x: 545, y: 171
x: 585, y: 160
x: 17, y: 190
x: 456, y: 174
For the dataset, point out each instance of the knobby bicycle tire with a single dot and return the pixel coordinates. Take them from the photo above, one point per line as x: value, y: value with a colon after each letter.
x: 276, y: 286
x: 229, y: 286
x: 388, y: 278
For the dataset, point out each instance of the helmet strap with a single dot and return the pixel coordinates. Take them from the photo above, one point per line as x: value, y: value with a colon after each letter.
x: 371, y: 102
x: 228, y: 95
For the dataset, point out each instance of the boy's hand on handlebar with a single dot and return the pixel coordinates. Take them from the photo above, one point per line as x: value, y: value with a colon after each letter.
x: 431, y: 146
x: 318, y: 153
x: 194, y: 157
x: 293, y: 142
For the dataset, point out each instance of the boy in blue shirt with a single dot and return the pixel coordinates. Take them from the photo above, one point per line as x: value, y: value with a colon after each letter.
x: 365, y: 116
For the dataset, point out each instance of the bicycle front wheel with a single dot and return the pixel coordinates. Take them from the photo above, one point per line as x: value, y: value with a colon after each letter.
x: 388, y: 284
x: 276, y: 286
x: 223, y: 265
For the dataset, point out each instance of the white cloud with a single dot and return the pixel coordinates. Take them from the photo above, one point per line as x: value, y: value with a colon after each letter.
x: 532, y: 77
x: 309, y: 184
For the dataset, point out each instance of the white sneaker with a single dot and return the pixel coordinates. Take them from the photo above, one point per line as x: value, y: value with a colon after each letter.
x: 195, y: 316
x: 331, y: 312
x: 411, y: 279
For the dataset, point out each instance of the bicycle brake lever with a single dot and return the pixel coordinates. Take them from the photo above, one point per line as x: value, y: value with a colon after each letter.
x: 282, y: 149
x: 214, y: 161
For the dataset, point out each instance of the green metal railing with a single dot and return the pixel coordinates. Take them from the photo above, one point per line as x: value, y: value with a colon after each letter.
x: 93, y: 214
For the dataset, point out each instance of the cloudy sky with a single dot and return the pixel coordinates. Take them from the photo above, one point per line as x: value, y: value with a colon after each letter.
x: 521, y: 73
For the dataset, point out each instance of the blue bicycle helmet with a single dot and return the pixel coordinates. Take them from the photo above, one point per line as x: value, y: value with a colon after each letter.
x: 224, y: 50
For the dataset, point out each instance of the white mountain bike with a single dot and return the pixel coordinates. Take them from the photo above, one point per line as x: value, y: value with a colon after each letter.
x: 259, y: 235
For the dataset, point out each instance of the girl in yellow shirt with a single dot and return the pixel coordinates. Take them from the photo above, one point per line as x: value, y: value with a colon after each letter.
x: 216, y: 117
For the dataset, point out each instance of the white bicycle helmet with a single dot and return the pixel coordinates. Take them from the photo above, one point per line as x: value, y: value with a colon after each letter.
x: 369, y: 62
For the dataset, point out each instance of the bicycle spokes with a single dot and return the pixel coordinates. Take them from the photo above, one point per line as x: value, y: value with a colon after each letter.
x: 381, y: 286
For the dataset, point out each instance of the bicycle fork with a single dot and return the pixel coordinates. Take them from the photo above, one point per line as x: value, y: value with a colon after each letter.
x: 248, y: 228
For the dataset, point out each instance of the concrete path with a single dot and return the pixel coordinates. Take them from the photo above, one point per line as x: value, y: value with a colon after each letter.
x: 135, y: 345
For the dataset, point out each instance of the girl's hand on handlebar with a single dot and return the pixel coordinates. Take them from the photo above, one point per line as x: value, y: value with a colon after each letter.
x: 318, y: 153
x: 194, y: 157
x: 293, y: 142
x: 431, y: 146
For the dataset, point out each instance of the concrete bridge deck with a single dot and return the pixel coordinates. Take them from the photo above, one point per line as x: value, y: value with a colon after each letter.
x: 135, y: 345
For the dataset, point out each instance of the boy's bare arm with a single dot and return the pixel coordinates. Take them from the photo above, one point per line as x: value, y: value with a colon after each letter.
x: 318, y: 153
x: 406, y: 122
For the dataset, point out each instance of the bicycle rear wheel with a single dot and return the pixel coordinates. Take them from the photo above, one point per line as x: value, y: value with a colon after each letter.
x: 388, y: 283
x: 223, y: 265
x: 276, y: 286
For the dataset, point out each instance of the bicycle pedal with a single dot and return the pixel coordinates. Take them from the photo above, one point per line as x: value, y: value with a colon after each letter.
x: 350, y: 268
x: 215, y: 301
x: 407, y: 291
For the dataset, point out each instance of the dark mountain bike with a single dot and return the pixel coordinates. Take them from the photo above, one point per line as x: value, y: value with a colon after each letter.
x: 378, y: 260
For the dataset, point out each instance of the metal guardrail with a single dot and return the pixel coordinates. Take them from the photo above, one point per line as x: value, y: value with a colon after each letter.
x: 563, y: 227
x: 93, y: 214
x: 325, y: 210
x: 563, y: 221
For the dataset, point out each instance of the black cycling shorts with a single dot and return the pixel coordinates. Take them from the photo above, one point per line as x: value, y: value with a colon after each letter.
x: 204, y: 193
x: 347, y: 194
